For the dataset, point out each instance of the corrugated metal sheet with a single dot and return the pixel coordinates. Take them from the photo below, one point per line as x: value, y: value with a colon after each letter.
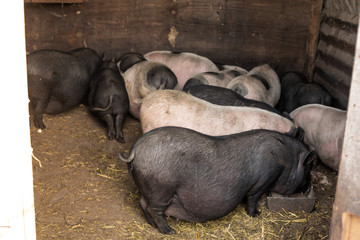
x: 335, y: 54
x: 349, y: 6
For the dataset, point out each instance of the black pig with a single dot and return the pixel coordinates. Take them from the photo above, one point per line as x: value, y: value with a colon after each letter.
x: 225, y: 97
x: 108, y: 98
x: 296, y: 92
x: 58, y: 80
x: 196, y: 177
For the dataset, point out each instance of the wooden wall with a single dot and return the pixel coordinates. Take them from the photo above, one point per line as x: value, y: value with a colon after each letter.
x: 245, y: 33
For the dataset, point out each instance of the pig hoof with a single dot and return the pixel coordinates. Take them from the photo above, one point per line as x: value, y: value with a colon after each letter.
x: 253, y: 213
x: 39, y: 124
x: 111, y: 136
x: 167, y: 230
x: 120, y: 139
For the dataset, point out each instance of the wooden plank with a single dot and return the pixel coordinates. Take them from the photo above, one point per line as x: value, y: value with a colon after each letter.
x: 244, y: 33
x: 17, y: 215
x: 311, y: 45
x: 54, y: 1
x: 351, y: 223
x: 348, y: 188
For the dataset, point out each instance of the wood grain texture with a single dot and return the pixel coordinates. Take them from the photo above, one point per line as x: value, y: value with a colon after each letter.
x: 245, y: 33
x: 54, y: 1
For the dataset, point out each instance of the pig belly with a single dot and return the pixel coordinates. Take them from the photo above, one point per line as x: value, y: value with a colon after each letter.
x: 55, y: 107
x: 195, y: 208
x: 330, y: 154
x: 134, y: 99
x: 134, y: 110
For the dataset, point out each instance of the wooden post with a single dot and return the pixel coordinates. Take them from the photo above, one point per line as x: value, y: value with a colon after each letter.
x: 312, y: 42
x: 346, y: 210
x: 17, y: 217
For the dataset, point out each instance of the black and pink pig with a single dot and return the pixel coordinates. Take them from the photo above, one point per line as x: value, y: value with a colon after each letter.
x: 143, y: 77
x: 261, y: 83
x: 183, y: 64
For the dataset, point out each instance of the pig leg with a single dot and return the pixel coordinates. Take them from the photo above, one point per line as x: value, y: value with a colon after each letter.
x: 154, y: 209
x: 110, y: 126
x: 261, y: 187
x: 39, y: 94
x: 118, y: 125
x: 251, y: 205
x: 144, y: 207
x: 38, y: 112
x: 157, y: 213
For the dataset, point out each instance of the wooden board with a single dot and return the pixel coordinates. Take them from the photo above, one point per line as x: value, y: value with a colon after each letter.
x: 17, y: 212
x: 348, y: 187
x: 54, y: 1
x: 351, y: 224
x: 245, y: 33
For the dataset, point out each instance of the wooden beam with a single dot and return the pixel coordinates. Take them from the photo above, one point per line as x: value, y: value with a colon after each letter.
x: 348, y: 187
x: 243, y: 33
x: 17, y: 216
x: 312, y: 42
x: 54, y: 1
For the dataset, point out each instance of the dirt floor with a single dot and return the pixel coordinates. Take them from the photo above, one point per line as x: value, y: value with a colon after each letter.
x: 82, y: 191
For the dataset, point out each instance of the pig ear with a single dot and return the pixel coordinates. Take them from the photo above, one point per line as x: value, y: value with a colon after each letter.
x: 300, y: 135
x: 310, y: 158
x: 103, y: 57
x: 127, y: 60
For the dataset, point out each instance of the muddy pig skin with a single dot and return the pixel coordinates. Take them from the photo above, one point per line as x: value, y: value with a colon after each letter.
x: 183, y: 64
x: 225, y: 97
x: 220, y: 79
x: 324, y: 131
x: 177, y: 108
x: 143, y: 77
x: 58, y: 80
x: 296, y: 92
x: 195, y: 177
x: 108, y: 98
x: 261, y: 84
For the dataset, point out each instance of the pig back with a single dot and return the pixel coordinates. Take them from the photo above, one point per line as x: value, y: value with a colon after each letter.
x: 249, y: 88
x: 183, y: 64
x: 177, y: 108
x: 145, y: 77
